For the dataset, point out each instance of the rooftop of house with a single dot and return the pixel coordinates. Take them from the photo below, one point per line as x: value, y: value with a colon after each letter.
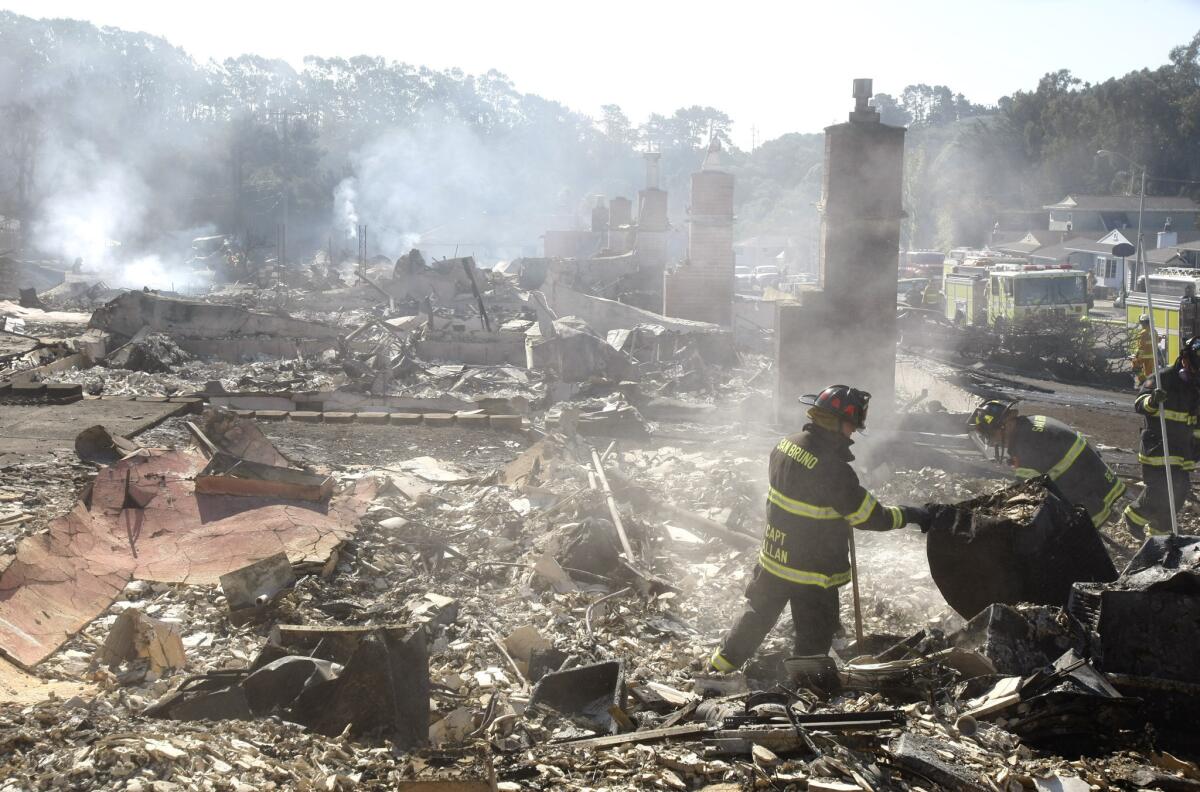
x: 1124, y: 203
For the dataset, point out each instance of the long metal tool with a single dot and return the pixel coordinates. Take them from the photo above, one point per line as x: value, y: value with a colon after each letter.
x: 858, y: 630
x: 1162, y: 416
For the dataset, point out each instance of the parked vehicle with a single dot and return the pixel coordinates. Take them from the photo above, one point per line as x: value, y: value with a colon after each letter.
x: 1013, y: 293
x: 906, y: 288
x: 766, y: 276
x: 1168, y: 285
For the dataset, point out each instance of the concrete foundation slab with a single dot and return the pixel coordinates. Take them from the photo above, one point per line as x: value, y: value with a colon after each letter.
x: 39, y: 434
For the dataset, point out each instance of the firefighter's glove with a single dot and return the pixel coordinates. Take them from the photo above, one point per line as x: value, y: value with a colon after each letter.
x: 920, y: 516
x: 1158, y: 397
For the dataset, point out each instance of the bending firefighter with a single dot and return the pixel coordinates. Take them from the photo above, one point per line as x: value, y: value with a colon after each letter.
x: 1178, y: 401
x: 1037, y: 445
x: 813, y: 501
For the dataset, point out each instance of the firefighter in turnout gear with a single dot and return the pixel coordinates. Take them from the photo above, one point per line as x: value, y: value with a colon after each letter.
x: 1189, y: 313
x: 1178, y: 401
x: 813, y: 502
x: 1037, y: 445
x: 1143, y: 351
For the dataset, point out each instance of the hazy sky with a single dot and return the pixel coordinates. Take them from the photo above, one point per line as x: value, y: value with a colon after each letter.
x: 778, y: 67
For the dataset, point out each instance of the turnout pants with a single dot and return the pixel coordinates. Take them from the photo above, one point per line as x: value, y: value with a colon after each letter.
x: 814, y: 615
x: 1150, y: 513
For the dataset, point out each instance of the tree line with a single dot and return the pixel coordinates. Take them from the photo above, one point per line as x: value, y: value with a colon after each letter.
x: 130, y: 122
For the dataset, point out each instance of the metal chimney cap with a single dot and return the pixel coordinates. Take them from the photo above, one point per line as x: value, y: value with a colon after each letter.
x: 862, y: 95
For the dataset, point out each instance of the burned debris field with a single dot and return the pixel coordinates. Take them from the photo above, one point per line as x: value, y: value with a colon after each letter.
x: 367, y: 426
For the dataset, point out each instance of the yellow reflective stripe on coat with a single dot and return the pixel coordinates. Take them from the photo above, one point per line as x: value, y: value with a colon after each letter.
x: 1158, y: 461
x: 1134, y: 517
x: 863, y: 512
x: 1068, y: 459
x: 802, y: 577
x: 1026, y: 473
x: 719, y: 662
x: 1179, y: 416
x: 1106, y: 508
x: 897, y: 516
x: 1143, y: 401
x: 793, y: 506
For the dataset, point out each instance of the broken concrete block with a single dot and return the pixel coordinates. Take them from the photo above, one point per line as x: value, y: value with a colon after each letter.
x: 405, y: 419
x: 135, y: 635
x: 305, y: 416
x: 339, y: 417
x: 257, y: 584
x: 478, y: 420
x: 439, y: 419
x: 271, y: 415
x: 373, y: 418
x: 27, y: 391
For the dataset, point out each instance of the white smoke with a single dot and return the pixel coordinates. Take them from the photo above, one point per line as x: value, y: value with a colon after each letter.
x: 345, y: 216
x: 439, y: 183
x: 94, y: 205
x: 97, y: 211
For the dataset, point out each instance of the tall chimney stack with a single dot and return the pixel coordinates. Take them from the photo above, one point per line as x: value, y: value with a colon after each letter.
x: 651, y: 158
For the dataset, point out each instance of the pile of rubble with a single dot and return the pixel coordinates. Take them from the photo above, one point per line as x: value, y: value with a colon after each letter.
x: 428, y: 600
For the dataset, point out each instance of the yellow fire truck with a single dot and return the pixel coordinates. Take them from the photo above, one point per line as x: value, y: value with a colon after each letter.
x: 1012, y: 292
x: 1167, y: 285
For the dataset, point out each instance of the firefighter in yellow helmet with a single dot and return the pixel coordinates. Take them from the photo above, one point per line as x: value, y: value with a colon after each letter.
x: 1176, y: 402
x: 1038, y: 445
x: 1143, y: 350
x: 813, y: 502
